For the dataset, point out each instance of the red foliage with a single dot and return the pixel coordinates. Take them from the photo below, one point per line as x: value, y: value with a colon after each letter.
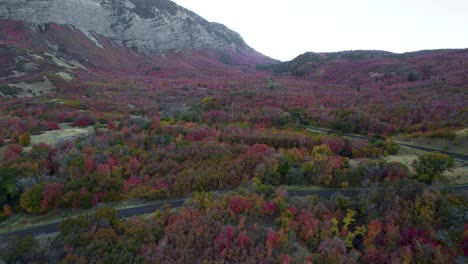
x: 308, y: 226
x: 75, y: 203
x: 286, y: 259
x: 391, y: 231
x: 156, y: 123
x: 293, y: 210
x: 464, y: 243
x: 197, y: 134
x: 12, y: 151
x: 375, y: 255
x: 133, y: 181
x: 161, y: 185
x: 395, y: 171
x: 415, y: 237
x: 65, y: 145
x: 52, y: 125
x: 6, y: 210
x: 239, y: 204
x: 243, y: 240
x: 13, y: 31
x: 89, y: 164
x: 225, y: 239
x: 374, y: 230
x: 257, y: 150
x: 126, y: 132
x: 134, y: 165
x: 254, y: 155
x: 272, y: 241
x: 51, y: 195
x: 111, y: 125
x: 83, y: 121
x: 47, y: 165
x: 336, y: 145
x: 103, y: 169
x: 113, y: 162
x: 269, y: 208
x: 97, y: 198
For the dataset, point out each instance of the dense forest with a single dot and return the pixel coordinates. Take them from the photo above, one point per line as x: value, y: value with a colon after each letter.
x: 408, y: 223
x: 250, y: 217
x: 294, y: 162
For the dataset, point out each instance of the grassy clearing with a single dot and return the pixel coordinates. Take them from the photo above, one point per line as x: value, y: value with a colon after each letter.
x: 456, y: 176
x: 457, y: 144
x: 52, y: 137
x: 38, y: 88
x: 66, y: 76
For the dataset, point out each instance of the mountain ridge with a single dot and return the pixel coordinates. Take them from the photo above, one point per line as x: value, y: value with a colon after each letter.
x: 149, y: 26
x: 376, y: 68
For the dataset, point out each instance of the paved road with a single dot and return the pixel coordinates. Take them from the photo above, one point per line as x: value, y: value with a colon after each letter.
x: 123, y: 213
x: 356, y: 191
x: 451, y: 154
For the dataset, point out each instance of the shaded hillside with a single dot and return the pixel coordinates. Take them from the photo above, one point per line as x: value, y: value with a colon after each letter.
x: 380, y: 68
x: 29, y: 54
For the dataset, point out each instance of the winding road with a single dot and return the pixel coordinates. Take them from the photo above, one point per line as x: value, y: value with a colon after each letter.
x: 361, y: 137
x: 122, y: 213
x: 146, y: 209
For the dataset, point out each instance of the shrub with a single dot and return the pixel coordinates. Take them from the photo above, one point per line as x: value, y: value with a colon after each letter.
x: 208, y: 103
x: 450, y: 135
x: 25, y: 139
x: 19, y: 250
x: 396, y: 171
x: 83, y: 120
x: 51, y: 195
x: 12, y: 151
x: 8, y: 188
x: 9, y: 91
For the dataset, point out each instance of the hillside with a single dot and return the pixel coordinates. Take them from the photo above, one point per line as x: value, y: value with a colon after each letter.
x: 43, y: 39
x: 381, y: 68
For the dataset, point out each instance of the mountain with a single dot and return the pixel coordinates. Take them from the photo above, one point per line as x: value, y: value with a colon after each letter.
x: 146, y: 25
x: 47, y: 45
x: 62, y: 46
x: 377, y: 68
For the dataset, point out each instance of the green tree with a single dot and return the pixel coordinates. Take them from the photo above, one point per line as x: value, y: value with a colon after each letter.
x: 208, y: 103
x: 430, y: 166
x: 31, y: 199
x: 25, y: 139
x: 8, y: 188
x: 19, y: 250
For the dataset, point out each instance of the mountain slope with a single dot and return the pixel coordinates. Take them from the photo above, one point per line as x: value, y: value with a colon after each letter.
x: 150, y: 26
x: 380, y: 68
x: 41, y: 40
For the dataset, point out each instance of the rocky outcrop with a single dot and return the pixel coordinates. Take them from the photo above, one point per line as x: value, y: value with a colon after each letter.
x: 147, y: 25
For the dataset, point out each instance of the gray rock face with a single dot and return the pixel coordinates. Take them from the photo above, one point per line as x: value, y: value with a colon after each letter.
x: 148, y: 25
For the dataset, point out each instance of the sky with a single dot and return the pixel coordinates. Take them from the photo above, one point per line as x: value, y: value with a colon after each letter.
x: 283, y: 29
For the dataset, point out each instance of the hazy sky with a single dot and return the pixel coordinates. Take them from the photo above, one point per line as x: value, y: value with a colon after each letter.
x: 284, y: 29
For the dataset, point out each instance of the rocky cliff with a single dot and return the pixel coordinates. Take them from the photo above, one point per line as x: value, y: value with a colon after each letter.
x: 147, y: 25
